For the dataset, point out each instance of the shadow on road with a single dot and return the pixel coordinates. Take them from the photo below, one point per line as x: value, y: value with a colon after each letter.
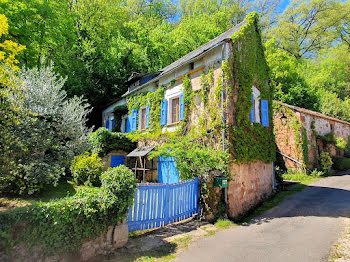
x: 314, y: 200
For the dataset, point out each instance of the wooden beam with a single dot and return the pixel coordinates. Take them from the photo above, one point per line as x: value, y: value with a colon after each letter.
x: 191, y: 72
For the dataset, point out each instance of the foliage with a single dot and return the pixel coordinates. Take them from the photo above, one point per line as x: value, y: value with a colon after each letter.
x: 63, y: 225
x: 86, y: 169
x: 193, y: 159
x: 48, y: 135
x: 103, y: 141
x: 341, y: 163
x: 306, y: 26
x: 328, y: 138
x: 119, y: 112
x: 250, y: 141
x: 325, y: 161
x: 347, y: 149
x: 340, y: 143
x: 305, y: 146
x: 153, y: 100
x: 224, y: 224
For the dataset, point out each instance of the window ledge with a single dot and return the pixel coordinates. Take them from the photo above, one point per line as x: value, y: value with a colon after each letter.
x: 173, y: 124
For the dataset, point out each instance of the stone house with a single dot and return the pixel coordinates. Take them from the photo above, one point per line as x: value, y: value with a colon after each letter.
x: 300, y: 135
x: 218, y: 93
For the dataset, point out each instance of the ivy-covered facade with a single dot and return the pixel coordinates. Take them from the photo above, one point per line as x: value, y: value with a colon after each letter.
x: 209, y: 112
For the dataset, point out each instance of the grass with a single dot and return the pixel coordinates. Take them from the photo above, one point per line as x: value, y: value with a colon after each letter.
x: 50, y: 193
x: 224, y: 224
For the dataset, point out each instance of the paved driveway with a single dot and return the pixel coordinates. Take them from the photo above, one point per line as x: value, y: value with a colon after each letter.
x: 301, y: 228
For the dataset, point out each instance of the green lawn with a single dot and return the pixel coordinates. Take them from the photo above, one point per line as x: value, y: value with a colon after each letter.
x: 50, y: 193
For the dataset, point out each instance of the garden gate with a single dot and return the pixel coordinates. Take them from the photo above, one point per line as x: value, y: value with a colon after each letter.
x: 157, y: 205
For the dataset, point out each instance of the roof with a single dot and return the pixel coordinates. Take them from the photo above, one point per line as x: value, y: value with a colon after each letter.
x: 194, y: 54
x: 141, y: 151
x: 313, y: 113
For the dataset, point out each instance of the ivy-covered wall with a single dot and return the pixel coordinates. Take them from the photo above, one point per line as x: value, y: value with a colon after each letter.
x: 249, y: 142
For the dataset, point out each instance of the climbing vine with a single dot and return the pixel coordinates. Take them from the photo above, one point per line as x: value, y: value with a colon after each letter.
x: 250, y: 141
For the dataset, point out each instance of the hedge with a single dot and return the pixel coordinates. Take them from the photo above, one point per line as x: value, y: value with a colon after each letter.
x: 341, y: 163
x: 64, y: 225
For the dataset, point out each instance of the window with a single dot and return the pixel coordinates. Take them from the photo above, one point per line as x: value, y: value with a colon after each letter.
x: 175, y: 106
x: 143, y: 119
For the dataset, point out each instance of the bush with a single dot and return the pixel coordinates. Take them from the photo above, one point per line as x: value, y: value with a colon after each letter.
x: 103, y: 141
x: 341, y: 163
x: 86, y: 169
x: 325, y: 162
x: 46, y: 137
x: 62, y: 226
x: 340, y: 143
x: 347, y: 148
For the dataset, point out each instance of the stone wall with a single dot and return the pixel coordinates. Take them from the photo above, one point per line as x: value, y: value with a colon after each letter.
x: 315, y: 124
x: 115, y: 237
x: 251, y: 183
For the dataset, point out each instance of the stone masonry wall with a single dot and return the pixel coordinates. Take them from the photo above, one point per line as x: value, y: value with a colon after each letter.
x: 285, y: 138
x: 251, y: 183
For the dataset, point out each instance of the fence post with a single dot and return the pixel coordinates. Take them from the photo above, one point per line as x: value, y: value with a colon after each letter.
x: 166, y: 204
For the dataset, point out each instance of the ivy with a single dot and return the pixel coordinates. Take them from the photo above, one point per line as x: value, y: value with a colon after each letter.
x: 153, y: 100
x: 249, y: 141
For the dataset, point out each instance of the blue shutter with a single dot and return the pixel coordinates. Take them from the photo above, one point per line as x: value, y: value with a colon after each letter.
x: 182, y: 107
x: 134, y: 120
x: 164, y: 113
x: 252, y: 113
x: 117, y: 161
x: 265, y: 113
x: 147, y: 116
x: 128, y: 124
x: 107, y: 124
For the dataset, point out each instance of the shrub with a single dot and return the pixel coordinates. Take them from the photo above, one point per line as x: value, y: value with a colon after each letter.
x: 86, y: 169
x: 347, y: 148
x: 62, y: 226
x: 325, y: 162
x: 103, y: 141
x: 46, y: 137
x: 341, y: 163
x: 340, y: 143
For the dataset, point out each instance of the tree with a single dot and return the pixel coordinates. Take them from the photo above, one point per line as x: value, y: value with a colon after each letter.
x: 290, y: 85
x: 52, y: 133
x: 307, y: 26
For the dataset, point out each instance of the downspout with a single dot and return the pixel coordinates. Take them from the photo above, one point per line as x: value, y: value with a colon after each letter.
x: 223, y: 95
x: 223, y: 58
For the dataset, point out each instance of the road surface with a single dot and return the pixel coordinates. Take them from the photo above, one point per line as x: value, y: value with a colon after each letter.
x: 302, y: 228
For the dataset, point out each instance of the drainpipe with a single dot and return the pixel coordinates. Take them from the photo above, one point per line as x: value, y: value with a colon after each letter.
x: 223, y: 58
x: 223, y: 95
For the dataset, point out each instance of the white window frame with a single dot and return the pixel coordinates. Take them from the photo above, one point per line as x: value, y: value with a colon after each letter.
x: 256, y: 94
x: 171, y: 94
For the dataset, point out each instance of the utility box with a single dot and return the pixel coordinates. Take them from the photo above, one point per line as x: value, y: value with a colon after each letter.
x: 220, y: 181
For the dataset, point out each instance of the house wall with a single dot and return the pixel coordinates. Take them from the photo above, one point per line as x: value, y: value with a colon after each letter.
x: 251, y: 183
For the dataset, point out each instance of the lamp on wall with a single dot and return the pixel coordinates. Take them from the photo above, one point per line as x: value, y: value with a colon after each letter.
x: 283, y: 119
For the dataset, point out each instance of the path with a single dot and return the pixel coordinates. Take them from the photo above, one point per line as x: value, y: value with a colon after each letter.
x: 302, y: 228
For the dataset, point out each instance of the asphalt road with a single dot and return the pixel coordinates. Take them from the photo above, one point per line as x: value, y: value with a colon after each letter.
x: 302, y: 228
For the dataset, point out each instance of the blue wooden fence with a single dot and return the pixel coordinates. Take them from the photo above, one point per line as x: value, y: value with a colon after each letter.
x: 157, y: 205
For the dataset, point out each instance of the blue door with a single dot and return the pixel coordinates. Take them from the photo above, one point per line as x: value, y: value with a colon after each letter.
x: 117, y: 161
x: 167, y: 171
